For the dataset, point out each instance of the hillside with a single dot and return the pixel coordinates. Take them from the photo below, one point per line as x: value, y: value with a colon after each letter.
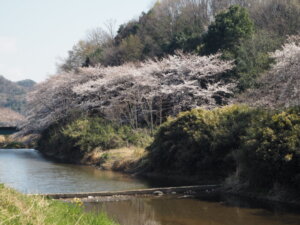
x: 12, y: 94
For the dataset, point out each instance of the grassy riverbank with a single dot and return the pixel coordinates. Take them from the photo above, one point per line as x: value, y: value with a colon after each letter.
x: 7, y: 142
x: 16, y: 208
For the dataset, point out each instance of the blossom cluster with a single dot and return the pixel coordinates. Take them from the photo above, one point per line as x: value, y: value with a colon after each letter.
x: 140, y: 94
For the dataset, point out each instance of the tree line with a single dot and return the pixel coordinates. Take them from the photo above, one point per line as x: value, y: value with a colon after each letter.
x: 197, y: 26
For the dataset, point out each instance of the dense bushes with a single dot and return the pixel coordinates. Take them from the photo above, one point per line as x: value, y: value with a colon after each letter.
x: 73, y: 140
x: 263, y: 147
x: 89, y: 133
x: 271, y: 150
x: 200, y: 140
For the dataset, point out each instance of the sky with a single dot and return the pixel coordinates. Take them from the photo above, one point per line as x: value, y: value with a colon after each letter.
x: 36, y: 34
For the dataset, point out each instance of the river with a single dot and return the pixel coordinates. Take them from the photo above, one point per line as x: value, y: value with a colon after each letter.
x: 29, y: 172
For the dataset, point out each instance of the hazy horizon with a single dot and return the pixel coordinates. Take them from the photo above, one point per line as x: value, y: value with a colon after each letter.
x: 36, y: 34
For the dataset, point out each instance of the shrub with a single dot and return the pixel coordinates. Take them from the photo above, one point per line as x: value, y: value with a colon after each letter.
x: 261, y: 146
x: 82, y: 135
x: 200, y: 140
x: 271, y: 150
x: 89, y: 133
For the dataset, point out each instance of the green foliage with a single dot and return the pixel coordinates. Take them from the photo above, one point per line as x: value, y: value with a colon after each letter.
x: 270, y: 152
x: 245, y: 33
x: 16, y: 208
x: 263, y: 147
x: 89, y: 133
x: 186, y: 41
x: 233, y: 34
x: 229, y: 28
x: 12, y: 145
x: 200, y: 140
x: 252, y: 58
x: 131, y: 48
x: 73, y: 140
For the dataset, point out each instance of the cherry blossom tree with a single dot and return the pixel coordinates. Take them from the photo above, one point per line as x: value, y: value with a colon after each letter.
x: 280, y: 87
x: 141, y: 94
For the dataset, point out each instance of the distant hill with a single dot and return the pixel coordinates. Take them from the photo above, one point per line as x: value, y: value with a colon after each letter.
x: 13, y: 94
x: 28, y: 84
x: 10, y: 118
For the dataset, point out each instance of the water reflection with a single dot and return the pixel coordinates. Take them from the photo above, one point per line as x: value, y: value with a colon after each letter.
x: 174, y: 211
x: 29, y: 172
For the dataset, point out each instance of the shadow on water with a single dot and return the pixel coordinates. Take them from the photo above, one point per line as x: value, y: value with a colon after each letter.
x: 176, y: 210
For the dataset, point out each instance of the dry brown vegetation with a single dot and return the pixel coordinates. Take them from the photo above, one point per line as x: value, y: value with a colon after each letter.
x: 122, y: 159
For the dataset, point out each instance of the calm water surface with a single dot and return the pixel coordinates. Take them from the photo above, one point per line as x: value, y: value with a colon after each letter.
x: 29, y: 172
x: 178, y: 211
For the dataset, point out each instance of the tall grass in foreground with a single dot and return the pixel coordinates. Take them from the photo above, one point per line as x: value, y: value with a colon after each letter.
x: 16, y: 208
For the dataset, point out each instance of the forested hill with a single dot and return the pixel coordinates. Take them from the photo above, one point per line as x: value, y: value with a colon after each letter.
x: 246, y: 34
x: 13, y: 94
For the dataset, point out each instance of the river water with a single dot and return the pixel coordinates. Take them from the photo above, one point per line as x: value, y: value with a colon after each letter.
x: 29, y: 172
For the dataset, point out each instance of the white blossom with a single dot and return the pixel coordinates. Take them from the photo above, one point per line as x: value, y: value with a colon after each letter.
x: 280, y: 87
x: 136, y: 94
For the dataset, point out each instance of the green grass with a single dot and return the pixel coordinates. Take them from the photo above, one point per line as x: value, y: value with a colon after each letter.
x: 16, y: 208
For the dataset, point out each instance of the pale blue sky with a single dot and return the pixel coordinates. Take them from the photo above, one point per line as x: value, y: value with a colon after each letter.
x: 35, y: 33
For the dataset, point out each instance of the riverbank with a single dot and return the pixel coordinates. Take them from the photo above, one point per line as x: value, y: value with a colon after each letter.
x: 126, y: 159
x: 8, y: 142
x: 17, y: 142
x: 16, y: 208
x: 132, y: 161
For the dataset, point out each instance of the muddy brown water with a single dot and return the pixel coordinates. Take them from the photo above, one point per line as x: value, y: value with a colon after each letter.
x: 29, y: 172
x: 191, y: 211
